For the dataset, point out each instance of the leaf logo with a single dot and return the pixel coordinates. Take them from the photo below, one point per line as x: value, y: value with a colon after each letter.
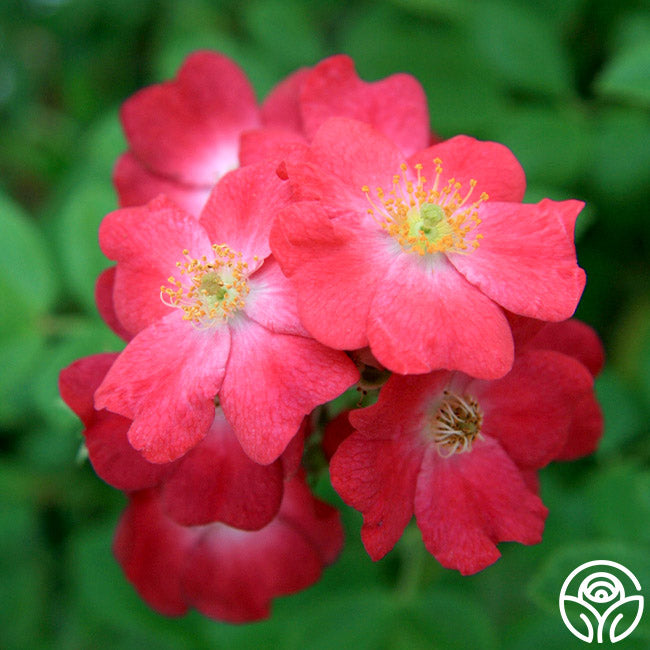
x: 600, y: 604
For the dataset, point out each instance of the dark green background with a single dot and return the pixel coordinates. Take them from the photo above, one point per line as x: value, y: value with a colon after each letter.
x: 564, y: 83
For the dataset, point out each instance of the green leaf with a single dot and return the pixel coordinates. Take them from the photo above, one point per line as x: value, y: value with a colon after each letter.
x: 624, y: 419
x: 20, y: 352
x: 547, y: 630
x: 363, y: 619
x: 552, y: 145
x: 439, y: 615
x: 464, y: 95
x: 80, y: 338
x: 90, y: 198
x: 620, y: 162
x: 454, y: 10
x: 627, y: 75
x: 83, y: 202
x: 23, y: 586
x: 300, y: 44
x: 521, y: 45
x: 104, y: 598
x: 27, y: 279
x: 619, y: 498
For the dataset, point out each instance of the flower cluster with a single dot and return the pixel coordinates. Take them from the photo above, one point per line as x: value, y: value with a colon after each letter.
x: 270, y: 258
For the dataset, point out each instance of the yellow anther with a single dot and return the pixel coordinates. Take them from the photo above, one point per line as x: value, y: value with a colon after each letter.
x: 213, y: 291
x: 425, y: 219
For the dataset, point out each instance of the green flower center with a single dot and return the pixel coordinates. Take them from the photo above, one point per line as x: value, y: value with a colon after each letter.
x: 428, y: 220
x: 211, y: 291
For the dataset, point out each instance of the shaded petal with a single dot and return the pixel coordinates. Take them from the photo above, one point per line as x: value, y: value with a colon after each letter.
x: 529, y: 411
x: 136, y: 185
x: 395, y: 106
x: 525, y: 261
x: 281, y: 109
x: 165, y: 381
x: 217, y: 481
x: 375, y: 468
x: 241, y: 209
x: 110, y: 453
x: 79, y: 380
x: 104, y: 301
x: 334, y: 268
x: 336, y: 431
x: 272, y: 300
x: 233, y: 575
x: 575, y: 339
x: 273, y: 381
x: 492, y: 165
x: 377, y: 478
x: 271, y: 144
x: 586, y: 428
x: 427, y: 317
x: 316, y: 520
x: 292, y: 456
x: 152, y: 551
x: 188, y: 129
x: 469, y: 502
x: 115, y: 460
x: 523, y: 328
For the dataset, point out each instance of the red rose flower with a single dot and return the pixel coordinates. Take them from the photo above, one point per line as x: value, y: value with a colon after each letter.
x: 417, y: 256
x: 214, y: 481
x: 225, y: 573
x: 461, y: 454
x: 214, y: 317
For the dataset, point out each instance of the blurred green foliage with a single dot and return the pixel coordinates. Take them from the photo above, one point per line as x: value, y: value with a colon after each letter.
x: 564, y: 83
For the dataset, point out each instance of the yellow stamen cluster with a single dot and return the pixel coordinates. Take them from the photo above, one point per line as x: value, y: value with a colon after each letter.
x: 456, y: 424
x: 211, y: 291
x: 433, y: 220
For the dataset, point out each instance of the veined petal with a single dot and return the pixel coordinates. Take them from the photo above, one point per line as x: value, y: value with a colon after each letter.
x: 104, y: 301
x: 356, y: 153
x: 467, y: 503
x: 425, y: 317
x: 377, y: 477
x: 166, y: 380
x: 217, y: 481
x: 273, y: 381
x: 530, y: 410
x: 272, y: 300
x: 335, y: 269
x: 375, y: 469
x: 151, y: 235
x: 241, y: 209
x: 525, y: 261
